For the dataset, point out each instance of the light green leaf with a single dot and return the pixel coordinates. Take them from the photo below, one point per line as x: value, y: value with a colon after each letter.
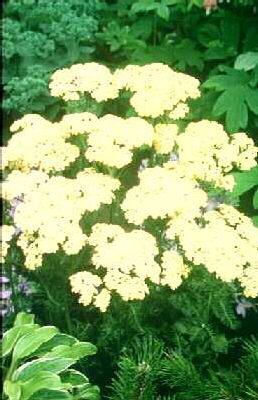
x: 163, y: 11
x: 74, y: 378
x: 255, y: 220
x: 13, y: 335
x: 41, y: 380
x: 57, y: 340
x: 23, y: 318
x: 51, y: 395
x: 29, y: 369
x: 255, y: 199
x: 251, y: 96
x: 88, y: 392
x: 12, y: 390
x: 231, y: 102
x: 27, y: 344
x: 247, y: 61
x: 76, y: 351
x: 244, y: 181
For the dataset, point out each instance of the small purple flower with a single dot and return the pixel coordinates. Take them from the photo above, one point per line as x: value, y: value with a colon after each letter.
x: 4, y: 279
x: 14, y: 204
x: 24, y: 287
x: 5, y: 294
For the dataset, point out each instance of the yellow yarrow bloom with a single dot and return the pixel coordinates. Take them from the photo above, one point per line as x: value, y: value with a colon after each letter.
x: 113, y: 139
x: 163, y: 193
x: 226, y: 243
x: 165, y: 138
x: 63, y: 201
x: 38, y: 144
x: 173, y: 269
x: 156, y: 87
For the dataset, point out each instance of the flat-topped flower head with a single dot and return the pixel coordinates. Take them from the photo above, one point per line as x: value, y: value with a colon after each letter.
x: 162, y: 193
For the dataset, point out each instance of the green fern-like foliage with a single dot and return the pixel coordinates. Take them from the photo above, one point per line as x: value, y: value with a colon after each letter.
x: 147, y: 372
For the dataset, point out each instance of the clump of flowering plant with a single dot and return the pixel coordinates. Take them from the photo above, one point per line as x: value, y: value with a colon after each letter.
x: 66, y: 171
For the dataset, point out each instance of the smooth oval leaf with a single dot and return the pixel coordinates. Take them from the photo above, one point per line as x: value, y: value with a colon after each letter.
x: 51, y: 395
x: 11, y: 337
x: 29, y: 369
x: 247, y: 61
x: 12, y: 390
x: 27, y: 344
x: 57, y: 340
x: 74, y: 378
x: 41, y: 380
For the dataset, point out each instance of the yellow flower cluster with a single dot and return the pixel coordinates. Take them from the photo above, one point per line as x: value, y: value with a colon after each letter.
x: 7, y: 232
x: 51, y: 208
x: 156, y: 87
x: 91, y: 78
x: 173, y: 269
x: 225, y: 242
x: 163, y: 193
x: 38, y: 144
x: 47, y: 210
x: 205, y: 152
x: 113, y: 138
x: 86, y: 285
x: 165, y: 138
x: 127, y: 258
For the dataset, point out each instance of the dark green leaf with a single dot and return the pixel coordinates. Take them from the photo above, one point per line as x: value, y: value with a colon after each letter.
x: 245, y: 181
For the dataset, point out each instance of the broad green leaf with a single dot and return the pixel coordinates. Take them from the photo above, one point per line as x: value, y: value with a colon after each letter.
x: 163, y: 11
x: 247, y: 61
x: 231, y: 79
x: 51, y: 395
x: 231, y: 102
x: 142, y: 28
x: 237, y: 97
x: 23, y: 318
x: 27, y: 344
x: 144, y: 5
x: 76, y: 351
x: 251, y: 96
x: 12, y: 390
x: 255, y: 220
x: 88, y: 392
x: 74, y: 378
x: 57, y: 340
x: 255, y: 199
x: 186, y: 54
x: 244, y: 181
x: 218, y: 52
x: 41, y: 380
x: 11, y: 337
x: 29, y: 369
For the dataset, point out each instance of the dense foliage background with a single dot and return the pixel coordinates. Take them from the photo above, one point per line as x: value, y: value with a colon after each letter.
x: 199, y: 342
